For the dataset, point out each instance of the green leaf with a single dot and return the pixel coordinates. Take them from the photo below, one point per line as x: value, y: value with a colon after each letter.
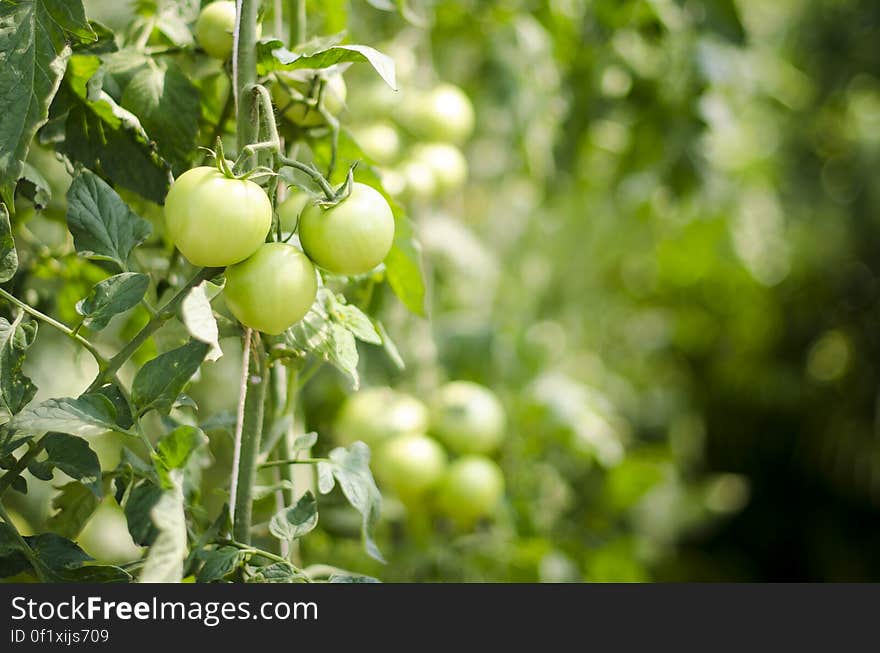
x: 8, y: 257
x: 278, y: 572
x: 218, y: 564
x: 137, y: 513
x: 175, y: 449
x: 158, y: 383
x: 89, y: 414
x: 19, y: 484
x: 305, y: 442
x: 9, y: 543
x: 104, y: 42
x: 71, y: 17
x: 56, y: 551
x: 403, y: 266
x: 168, y: 106
x: 34, y: 45
x: 112, y: 296
x: 74, y: 506
x: 390, y: 347
x: 16, y: 389
x: 118, y: 69
x: 164, y: 561
x: 199, y: 320
x: 62, y: 561
x: 102, y: 225
x: 347, y: 578
x: 120, y: 403
x: 361, y: 326
x: 74, y: 457
x: 283, y: 59
x: 317, y: 333
x: 34, y: 186
x: 174, y: 20
x: 294, y: 522
x: 351, y: 469
x: 90, y: 127
x: 90, y: 573
x: 326, y: 482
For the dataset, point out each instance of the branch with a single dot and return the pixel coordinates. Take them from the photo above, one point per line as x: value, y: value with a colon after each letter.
x: 63, y: 328
x: 164, y: 314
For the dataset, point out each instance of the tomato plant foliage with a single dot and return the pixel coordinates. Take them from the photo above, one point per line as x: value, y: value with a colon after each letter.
x: 96, y: 127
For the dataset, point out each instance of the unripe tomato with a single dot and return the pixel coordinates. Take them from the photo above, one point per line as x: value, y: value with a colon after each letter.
x: 471, y: 488
x: 335, y: 92
x: 468, y: 418
x: 273, y: 289
x: 214, y: 29
x: 379, y: 141
x: 378, y: 100
x: 216, y: 221
x: 373, y: 415
x: 446, y: 162
x: 444, y: 113
x: 410, y: 464
x: 352, y: 237
x: 290, y: 209
x: 418, y: 180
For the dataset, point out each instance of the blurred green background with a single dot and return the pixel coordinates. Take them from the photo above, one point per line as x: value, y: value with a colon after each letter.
x: 665, y: 263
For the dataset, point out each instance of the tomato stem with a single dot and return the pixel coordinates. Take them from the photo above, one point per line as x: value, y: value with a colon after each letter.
x: 55, y: 324
x: 293, y: 461
x: 43, y: 573
x: 165, y: 313
x: 244, y: 70
x: 34, y: 449
x: 250, y: 427
x: 297, y: 22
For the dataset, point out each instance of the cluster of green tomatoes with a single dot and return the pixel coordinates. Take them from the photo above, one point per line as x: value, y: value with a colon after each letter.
x: 437, y: 457
x: 217, y: 220
x: 411, y: 441
x: 414, y: 136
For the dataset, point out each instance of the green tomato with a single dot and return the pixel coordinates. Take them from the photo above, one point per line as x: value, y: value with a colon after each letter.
x: 379, y: 141
x: 442, y: 114
x: 418, y: 181
x: 373, y: 415
x: 216, y: 221
x: 352, y: 237
x: 468, y: 418
x: 214, y: 29
x: 378, y: 100
x: 273, y: 289
x: 471, y: 488
x: 446, y: 163
x: 411, y: 180
x: 290, y: 209
x: 411, y: 465
x: 335, y: 92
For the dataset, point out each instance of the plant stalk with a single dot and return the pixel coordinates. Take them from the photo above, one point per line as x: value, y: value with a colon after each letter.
x: 297, y: 22
x: 251, y: 432
x: 244, y: 70
x: 43, y: 573
x: 63, y: 328
x: 162, y: 316
x: 9, y: 477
